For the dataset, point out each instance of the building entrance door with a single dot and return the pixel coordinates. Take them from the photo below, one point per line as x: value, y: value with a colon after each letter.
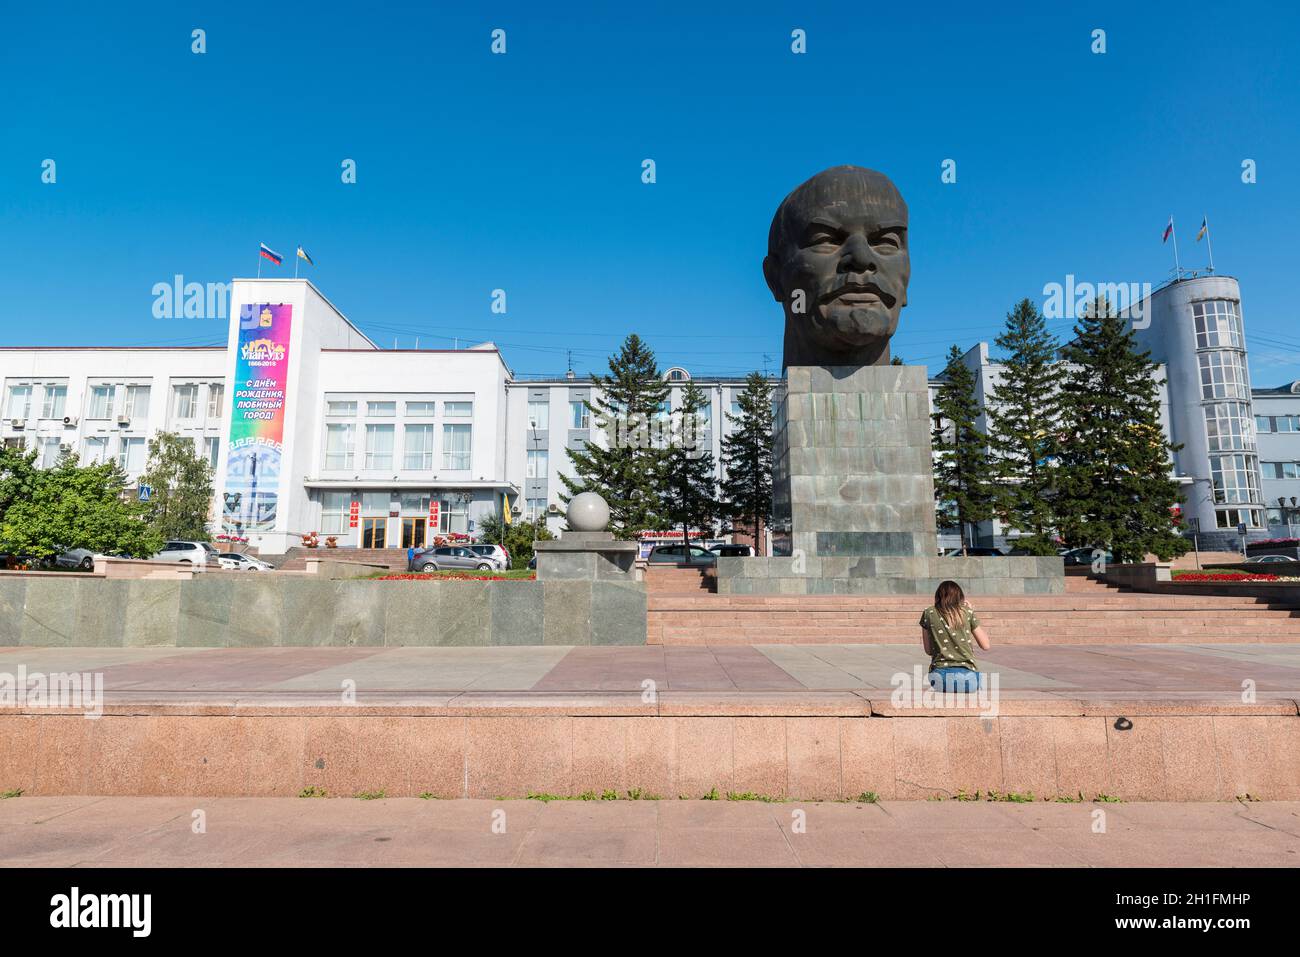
x: 413, y: 532
x: 374, y: 532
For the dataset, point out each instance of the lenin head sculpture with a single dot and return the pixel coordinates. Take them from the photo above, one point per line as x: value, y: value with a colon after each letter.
x: 837, y: 262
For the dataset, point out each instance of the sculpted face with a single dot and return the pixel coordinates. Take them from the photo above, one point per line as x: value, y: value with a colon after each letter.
x: 837, y: 261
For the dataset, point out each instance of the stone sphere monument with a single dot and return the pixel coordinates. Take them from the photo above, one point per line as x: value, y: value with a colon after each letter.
x: 588, y: 512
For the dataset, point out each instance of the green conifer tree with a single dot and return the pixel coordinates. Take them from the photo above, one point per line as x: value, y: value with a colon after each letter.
x: 747, y: 458
x: 690, y: 487
x: 963, y: 483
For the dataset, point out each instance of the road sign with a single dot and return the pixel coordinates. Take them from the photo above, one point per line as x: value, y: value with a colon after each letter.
x: 146, y: 492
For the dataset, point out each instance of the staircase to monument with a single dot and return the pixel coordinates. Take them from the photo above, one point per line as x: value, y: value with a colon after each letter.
x: 665, y: 580
x: 1088, y: 612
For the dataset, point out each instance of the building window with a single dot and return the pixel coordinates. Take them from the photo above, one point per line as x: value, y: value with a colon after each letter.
x: 421, y: 410
x: 20, y: 402
x: 453, y: 516
x: 130, y: 455
x: 1263, y: 423
x: 1232, y: 517
x: 381, y: 410
x: 1228, y: 427
x: 101, y: 402
x: 1235, y: 478
x: 458, y: 410
x: 736, y: 412
x: 56, y: 399
x: 334, y: 508
x: 379, y: 447
x: 96, y: 449
x: 136, y: 403
x: 185, y: 402
x: 14, y: 442
x: 456, y: 447
x: 415, y: 503
x: 212, y: 450
x: 1286, y: 423
x: 341, y: 407
x: 216, y: 397
x: 1223, y: 376
x: 339, y: 441
x: 417, y: 449
x: 538, y: 460
x: 1281, y: 470
x: 579, y: 415
x: 535, y: 509
x: 49, y: 452
x: 539, y: 415
x: 1218, y: 325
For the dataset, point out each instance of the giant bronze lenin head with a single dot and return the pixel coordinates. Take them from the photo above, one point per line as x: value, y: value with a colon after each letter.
x: 837, y: 262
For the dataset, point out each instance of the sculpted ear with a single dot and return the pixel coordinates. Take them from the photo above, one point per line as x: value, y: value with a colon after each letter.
x: 771, y: 272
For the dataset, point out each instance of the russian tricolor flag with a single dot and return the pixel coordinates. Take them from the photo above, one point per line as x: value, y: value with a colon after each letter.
x: 268, y: 253
x: 1169, y: 230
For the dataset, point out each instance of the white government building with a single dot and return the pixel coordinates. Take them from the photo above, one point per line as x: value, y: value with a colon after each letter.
x: 374, y: 446
x: 379, y: 447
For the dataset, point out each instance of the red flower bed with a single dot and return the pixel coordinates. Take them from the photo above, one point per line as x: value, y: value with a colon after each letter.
x: 1226, y: 577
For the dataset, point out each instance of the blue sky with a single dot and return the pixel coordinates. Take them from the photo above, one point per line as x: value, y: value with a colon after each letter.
x: 522, y: 171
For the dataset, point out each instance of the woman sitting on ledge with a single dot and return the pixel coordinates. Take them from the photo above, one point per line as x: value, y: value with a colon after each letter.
x: 948, y: 628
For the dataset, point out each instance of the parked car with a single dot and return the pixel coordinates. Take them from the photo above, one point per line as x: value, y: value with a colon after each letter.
x: 496, y: 553
x: 1270, y: 560
x: 680, y: 555
x: 187, y: 553
x: 442, y: 557
x: 79, y: 558
x: 239, y: 562
x: 1086, y: 556
x: 733, y: 551
x: 976, y: 552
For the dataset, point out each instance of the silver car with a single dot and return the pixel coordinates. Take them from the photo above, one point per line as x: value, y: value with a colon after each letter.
x: 197, y: 554
x: 239, y: 562
x: 448, y: 556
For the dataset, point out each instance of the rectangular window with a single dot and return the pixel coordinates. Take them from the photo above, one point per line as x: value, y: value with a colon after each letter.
x: 538, y: 460
x: 334, y: 510
x: 579, y: 415
x: 458, y: 410
x: 379, y: 447
x: 1218, y: 325
x: 535, y: 509
x: 456, y: 447
x: 1223, y: 376
x: 49, y: 452
x: 346, y: 407
x: 136, y: 404
x: 417, y: 448
x: 211, y: 450
x: 216, y: 400
x: 1229, y: 427
x: 453, y: 516
x: 1263, y: 423
x: 415, y: 503
x: 100, y: 405
x: 185, y: 402
x: 381, y: 410
x: 130, y: 455
x: 539, y: 415
x: 96, y: 450
x: 373, y: 503
x: 735, y: 409
x: 421, y: 410
x: 339, y: 441
x: 56, y: 399
x: 20, y: 402
x: 1235, y: 478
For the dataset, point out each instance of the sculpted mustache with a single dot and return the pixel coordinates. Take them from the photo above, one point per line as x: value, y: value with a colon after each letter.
x: 850, y: 287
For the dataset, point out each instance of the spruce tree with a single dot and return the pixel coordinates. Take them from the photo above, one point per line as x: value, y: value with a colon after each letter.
x: 1023, y: 423
x: 690, y: 482
x: 963, y: 484
x: 1114, y: 485
x: 747, y: 458
x: 181, y: 481
x: 627, y: 470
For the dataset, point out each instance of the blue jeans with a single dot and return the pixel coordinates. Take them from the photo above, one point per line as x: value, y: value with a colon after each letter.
x: 956, y: 679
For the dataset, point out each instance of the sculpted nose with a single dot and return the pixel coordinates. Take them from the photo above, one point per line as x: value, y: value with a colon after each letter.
x: 857, y: 256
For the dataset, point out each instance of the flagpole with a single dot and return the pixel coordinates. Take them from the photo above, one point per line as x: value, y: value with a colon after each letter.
x: 1178, y: 269
x: 259, y: 264
x: 1209, y: 244
x: 296, y: 257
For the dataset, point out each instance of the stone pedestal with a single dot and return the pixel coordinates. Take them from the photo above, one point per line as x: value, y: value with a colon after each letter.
x: 590, y: 556
x: 852, y: 469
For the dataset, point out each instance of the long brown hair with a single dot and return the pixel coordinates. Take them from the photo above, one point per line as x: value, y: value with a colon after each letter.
x: 949, y: 599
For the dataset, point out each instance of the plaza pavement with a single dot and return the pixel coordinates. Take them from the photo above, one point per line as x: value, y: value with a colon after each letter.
x: 277, y: 832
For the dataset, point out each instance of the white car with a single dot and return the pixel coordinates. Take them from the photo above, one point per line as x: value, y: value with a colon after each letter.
x: 496, y: 554
x: 237, y: 562
x: 197, y: 554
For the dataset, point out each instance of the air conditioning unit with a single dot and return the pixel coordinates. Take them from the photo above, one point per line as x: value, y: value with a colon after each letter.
x: 516, y: 510
x: 552, y: 509
x: 65, y: 447
x: 123, y: 421
x: 17, y: 423
x: 69, y: 421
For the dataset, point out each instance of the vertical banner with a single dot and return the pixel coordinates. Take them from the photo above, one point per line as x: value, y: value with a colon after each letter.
x: 252, y: 489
